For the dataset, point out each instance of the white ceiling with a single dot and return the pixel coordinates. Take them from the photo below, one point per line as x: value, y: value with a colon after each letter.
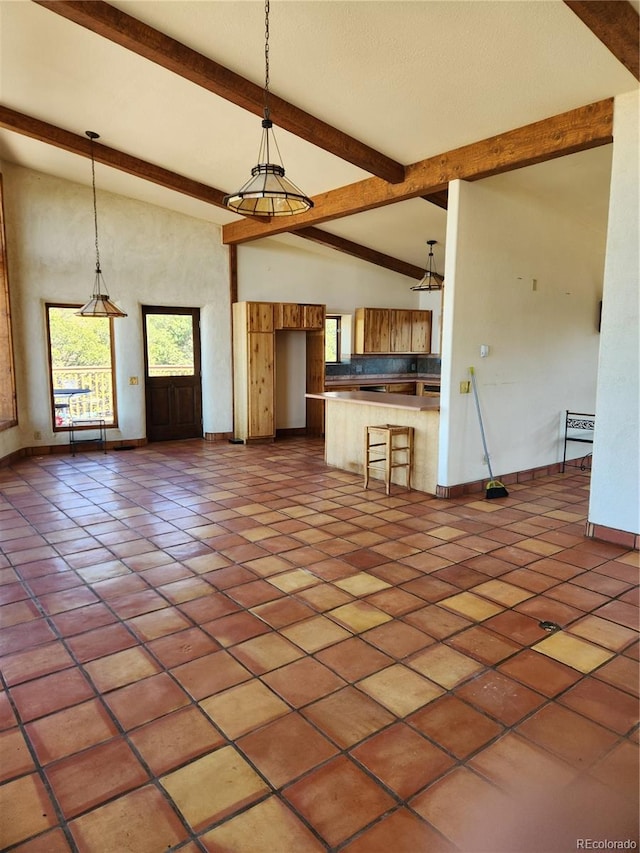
x: 411, y: 78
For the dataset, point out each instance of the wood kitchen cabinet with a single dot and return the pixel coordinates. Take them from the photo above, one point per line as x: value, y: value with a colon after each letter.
x: 313, y: 318
x: 292, y: 316
x: 255, y: 326
x: 428, y: 388
x: 254, y: 370
x: 391, y: 330
x: 288, y: 315
x: 401, y: 387
x: 372, y: 330
x: 259, y: 316
x: 421, y: 331
x: 400, y: 330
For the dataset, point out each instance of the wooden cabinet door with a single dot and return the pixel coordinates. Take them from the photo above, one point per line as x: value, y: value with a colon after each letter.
x: 372, y: 330
x: 377, y: 330
x: 400, y: 330
x: 288, y: 315
x: 313, y: 317
x: 421, y: 331
x: 401, y: 387
x: 260, y: 316
x: 261, y: 385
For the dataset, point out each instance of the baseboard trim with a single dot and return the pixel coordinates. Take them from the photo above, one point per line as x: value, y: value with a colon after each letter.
x: 217, y: 436
x: 476, y: 486
x: 65, y: 450
x: 614, y: 536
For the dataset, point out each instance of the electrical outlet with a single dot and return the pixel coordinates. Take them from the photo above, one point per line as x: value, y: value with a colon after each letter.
x: 358, y: 368
x: 37, y: 435
x: 465, y: 386
x: 133, y: 380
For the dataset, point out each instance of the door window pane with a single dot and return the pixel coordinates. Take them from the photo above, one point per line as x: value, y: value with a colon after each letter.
x: 81, y: 358
x: 170, y: 345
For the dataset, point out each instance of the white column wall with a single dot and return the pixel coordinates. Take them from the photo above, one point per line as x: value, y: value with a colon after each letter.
x: 543, y: 342
x: 615, y: 480
x: 149, y: 255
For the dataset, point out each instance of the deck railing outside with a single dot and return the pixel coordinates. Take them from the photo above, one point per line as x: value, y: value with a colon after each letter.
x: 99, y: 403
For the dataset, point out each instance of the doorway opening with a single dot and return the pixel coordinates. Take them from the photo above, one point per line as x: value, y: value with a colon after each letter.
x: 173, y: 383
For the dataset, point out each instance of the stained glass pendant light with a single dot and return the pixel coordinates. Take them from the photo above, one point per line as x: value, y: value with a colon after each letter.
x: 99, y: 305
x: 431, y: 280
x: 268, y: 192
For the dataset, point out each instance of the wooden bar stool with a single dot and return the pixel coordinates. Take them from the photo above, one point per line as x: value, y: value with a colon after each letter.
x: 380, y: 447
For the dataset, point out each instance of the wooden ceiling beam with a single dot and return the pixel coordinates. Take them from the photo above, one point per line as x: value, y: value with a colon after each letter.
x: 364, y: 253
x: 615, y: 23
x: 111, y: 23
x: 71, y: 142
x: 67, y: 141
x: 576, y: 130
x: 440, y: 199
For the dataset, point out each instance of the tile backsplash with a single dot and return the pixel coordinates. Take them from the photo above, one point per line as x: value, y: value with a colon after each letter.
x: 385, y: 364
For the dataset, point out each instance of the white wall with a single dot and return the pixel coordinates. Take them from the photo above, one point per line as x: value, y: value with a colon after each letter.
x: 296, y: 270
x: 615, y: 480
x: 291, y: 380
x: 543, y: 342
x: 149, y: 255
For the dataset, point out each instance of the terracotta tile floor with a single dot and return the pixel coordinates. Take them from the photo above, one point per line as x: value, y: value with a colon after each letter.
x: 212, y: 647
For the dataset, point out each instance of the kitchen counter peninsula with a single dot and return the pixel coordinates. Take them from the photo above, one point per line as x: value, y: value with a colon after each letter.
x: 347, y: 413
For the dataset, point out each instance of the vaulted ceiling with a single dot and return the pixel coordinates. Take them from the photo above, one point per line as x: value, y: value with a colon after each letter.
x: 377, y: 105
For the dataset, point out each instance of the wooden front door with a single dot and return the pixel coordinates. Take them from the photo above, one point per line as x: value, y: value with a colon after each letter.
x: 173, y: 389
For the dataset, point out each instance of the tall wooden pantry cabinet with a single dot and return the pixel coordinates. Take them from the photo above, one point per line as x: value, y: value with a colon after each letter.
x: 255, y: 325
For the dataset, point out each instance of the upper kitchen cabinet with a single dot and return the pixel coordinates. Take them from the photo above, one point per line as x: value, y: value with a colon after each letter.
x: 421, y: 331
x: 295, y: 316
x: 313, y: 317
x: 372, y: 330
x: 258, y: 316
x: 392, y: 330
x: 400, y: 330
x: 288, y: 315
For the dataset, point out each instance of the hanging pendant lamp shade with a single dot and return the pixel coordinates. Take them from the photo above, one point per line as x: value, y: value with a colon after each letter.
x: 431, y: 280
x: 99, y: 305
x: 268, y: 192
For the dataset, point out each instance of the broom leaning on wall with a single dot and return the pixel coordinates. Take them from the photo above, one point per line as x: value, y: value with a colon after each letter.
x: 495, y: 489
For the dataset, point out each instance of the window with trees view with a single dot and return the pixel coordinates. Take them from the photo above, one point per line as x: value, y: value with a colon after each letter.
x: 332, y: 339
x: 81, y: 358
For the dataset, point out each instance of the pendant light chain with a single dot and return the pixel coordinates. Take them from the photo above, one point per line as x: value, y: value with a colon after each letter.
x: 95, y: 205
x: 266, y: 123
x: 266, y: 59
x: 268, y: 192
x: 99, y: 305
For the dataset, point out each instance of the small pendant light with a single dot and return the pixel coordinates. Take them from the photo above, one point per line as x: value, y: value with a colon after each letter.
x: 268, y: 192
x: 99, y: 305
x: 431, y: 280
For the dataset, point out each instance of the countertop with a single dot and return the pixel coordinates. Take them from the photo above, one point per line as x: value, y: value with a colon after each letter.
x: 387, y: 400
x: 382, y: 378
